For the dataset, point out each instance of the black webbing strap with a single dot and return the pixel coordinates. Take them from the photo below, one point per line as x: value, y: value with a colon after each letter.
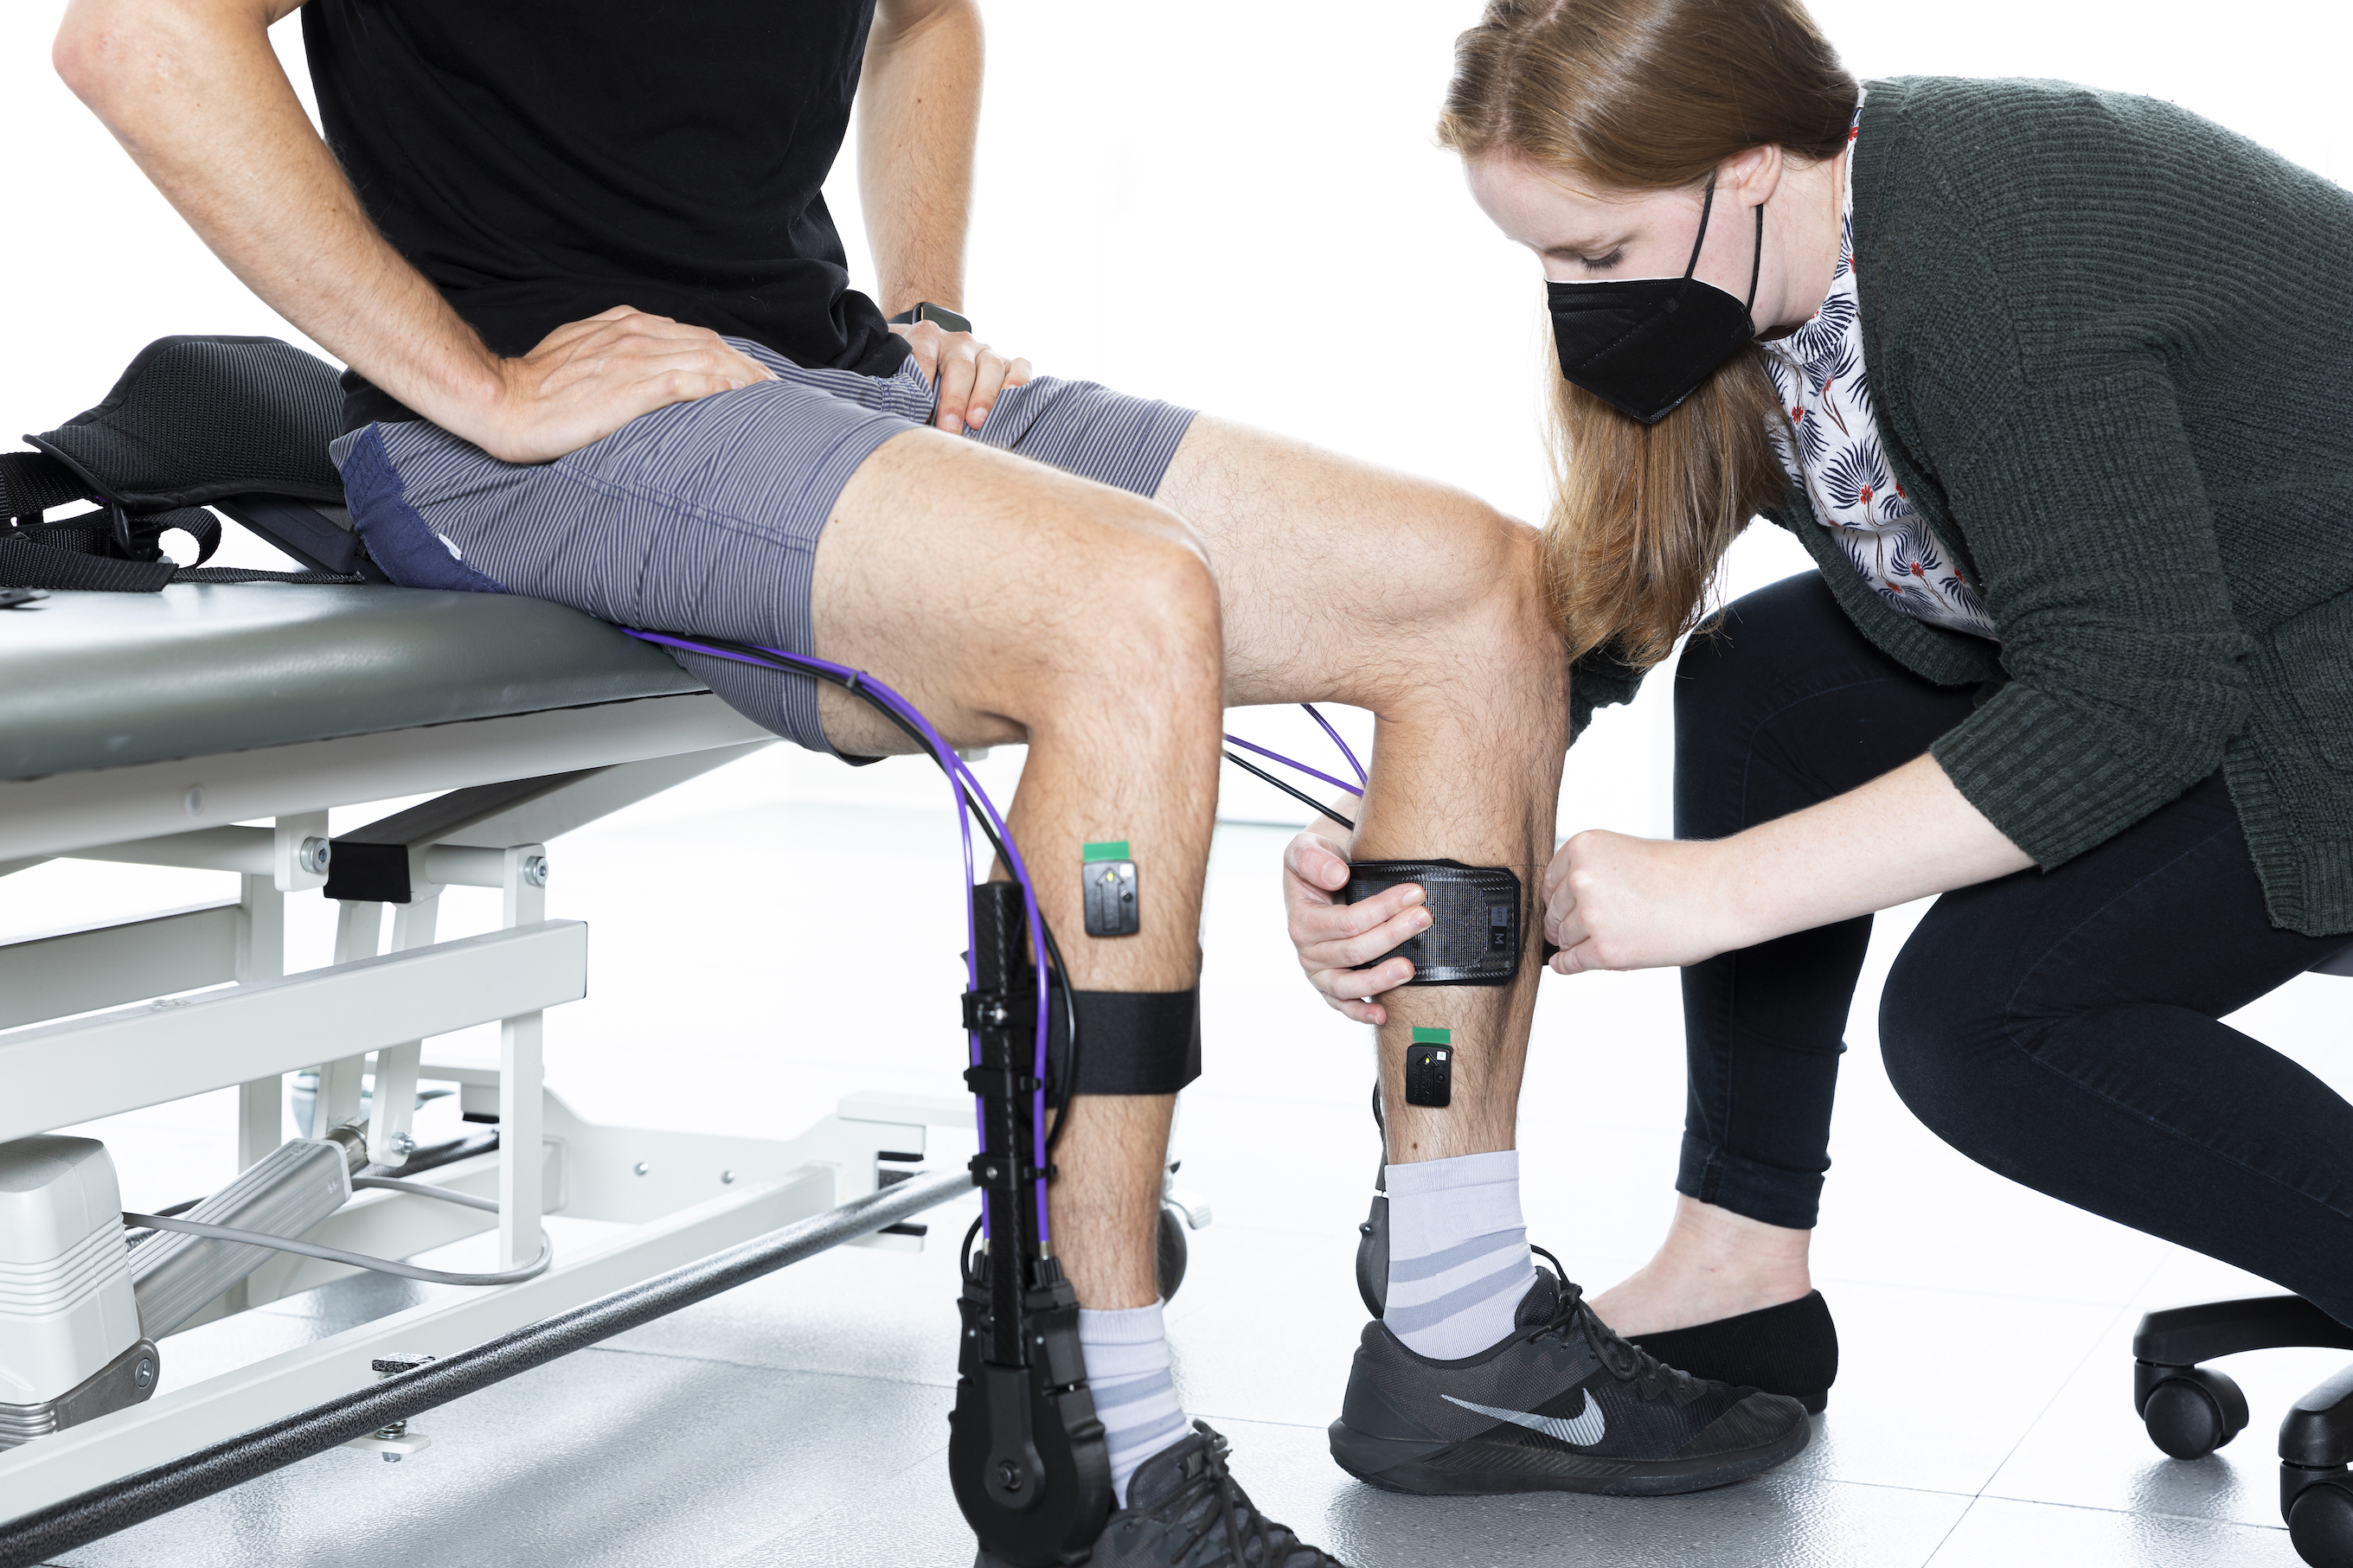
x: 33, y: 482
x: 26, y: 563
x: 70, y: 555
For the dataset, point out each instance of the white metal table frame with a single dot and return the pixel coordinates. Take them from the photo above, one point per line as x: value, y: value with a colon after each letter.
x: 90, y: 1026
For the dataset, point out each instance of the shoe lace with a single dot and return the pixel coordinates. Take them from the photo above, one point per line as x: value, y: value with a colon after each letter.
x: 1627, y: 1363
x: 1231, y: 1506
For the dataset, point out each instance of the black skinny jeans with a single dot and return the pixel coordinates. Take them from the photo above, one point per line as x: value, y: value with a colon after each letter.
x: 2059, y: 1028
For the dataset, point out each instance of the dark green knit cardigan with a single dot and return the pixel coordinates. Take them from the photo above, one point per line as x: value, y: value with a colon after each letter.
x: 2111, y: 348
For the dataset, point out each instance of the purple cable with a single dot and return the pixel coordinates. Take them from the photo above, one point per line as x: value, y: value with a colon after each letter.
x: 1362, y: 777
x: 960, y: 780
x: 1302, y: 767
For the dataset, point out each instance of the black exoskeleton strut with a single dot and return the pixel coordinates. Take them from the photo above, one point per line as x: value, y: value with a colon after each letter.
x: 1024, y: 1451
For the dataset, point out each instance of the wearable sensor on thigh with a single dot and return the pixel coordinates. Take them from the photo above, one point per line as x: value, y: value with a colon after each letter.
x: 1475, y: 933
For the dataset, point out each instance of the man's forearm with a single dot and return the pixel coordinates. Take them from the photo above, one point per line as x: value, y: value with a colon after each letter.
x: 918, y: 113
x: 195, y: 94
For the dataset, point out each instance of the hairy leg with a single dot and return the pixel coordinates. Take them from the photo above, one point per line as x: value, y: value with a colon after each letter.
x: 1011, y: 602
x: 1346, y: 582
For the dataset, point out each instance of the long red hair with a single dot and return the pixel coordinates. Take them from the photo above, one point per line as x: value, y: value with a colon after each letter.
x: 1645, y: 95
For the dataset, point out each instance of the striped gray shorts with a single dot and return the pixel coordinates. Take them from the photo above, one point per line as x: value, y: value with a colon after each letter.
x: 703, y: 518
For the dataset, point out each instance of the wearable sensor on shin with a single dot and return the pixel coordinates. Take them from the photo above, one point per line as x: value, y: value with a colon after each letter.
x: 1475, y: 933
x: 1429, y: 1068
x: 1109, y: 877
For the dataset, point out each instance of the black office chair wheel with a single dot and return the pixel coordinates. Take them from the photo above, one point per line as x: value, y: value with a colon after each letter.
x: 2320, y: 1526
x: 1169, y: 1256
x: 2194, y: 1412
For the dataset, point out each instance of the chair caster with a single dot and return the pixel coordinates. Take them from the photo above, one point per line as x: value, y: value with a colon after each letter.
x: 2190, y: 1411
x: 2319, y: 1512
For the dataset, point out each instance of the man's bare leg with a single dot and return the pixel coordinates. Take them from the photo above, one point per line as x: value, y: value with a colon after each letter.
x: 1010, y: 603
x: 1350, y: 583
x: 1421, y: 604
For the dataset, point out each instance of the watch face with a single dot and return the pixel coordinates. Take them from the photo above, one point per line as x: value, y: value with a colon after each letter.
x: 948, y: 320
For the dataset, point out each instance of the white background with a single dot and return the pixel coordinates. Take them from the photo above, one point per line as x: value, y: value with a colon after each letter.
x: 1232, y: 203
x: 1235, y: 204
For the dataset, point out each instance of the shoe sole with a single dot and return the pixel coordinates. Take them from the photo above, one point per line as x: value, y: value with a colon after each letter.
x: 1441, y: 1469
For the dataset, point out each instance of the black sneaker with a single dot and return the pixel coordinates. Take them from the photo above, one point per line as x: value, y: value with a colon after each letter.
x: 1187, y: 1510
x: 1561, y: 1404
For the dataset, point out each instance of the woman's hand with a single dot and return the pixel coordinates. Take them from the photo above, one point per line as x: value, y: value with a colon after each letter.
x: 1616, y: 902
x: 1336, y: 939
x: 1612, y: 901
x: 968, y: 373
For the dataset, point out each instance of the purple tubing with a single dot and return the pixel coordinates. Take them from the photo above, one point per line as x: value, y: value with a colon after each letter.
x: 1302, y: 767
x: 1361, y: 776
x: 960, y: 780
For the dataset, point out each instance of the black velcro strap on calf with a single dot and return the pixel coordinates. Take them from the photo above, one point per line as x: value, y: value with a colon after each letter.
x: 1130, y: 1042
x: 1475, y: 933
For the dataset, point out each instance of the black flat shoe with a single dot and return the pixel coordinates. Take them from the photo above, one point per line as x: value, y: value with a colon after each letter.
x: 1791, y: 1349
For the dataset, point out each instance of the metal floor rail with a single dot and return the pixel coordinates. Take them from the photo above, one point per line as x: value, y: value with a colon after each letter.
x: 41, y: 1536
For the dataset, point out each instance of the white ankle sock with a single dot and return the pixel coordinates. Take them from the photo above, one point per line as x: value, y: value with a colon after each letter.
x: 1135, y: 1397
x: 1459, y: 1261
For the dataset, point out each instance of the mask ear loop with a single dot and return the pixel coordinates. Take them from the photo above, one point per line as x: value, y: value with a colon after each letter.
x: 1706, y: 205
x: 1756, y: 265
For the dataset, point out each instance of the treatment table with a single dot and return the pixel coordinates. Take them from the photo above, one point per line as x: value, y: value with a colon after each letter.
x: 214, y: 727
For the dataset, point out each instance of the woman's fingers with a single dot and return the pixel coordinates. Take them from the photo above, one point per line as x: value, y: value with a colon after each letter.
x: 1316, y: 861
x: 1350, y: 934
x: 1352, y: 990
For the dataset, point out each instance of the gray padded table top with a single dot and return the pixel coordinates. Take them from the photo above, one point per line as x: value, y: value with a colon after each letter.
x: 93, y: 680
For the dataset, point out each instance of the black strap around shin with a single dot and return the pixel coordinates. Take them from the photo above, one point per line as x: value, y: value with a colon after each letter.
x: 1130, y: 1042
x: 1475, y: 933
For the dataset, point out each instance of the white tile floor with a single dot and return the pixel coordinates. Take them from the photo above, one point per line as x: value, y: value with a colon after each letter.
x: 1982, y: 1415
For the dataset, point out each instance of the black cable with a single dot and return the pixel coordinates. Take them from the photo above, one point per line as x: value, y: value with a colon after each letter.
x: 1317, y: 806
x: 964, y: 1254
x: 1046, y: 931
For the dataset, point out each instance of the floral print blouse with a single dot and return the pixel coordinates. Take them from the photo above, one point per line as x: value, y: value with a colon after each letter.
x: 1833, y: 451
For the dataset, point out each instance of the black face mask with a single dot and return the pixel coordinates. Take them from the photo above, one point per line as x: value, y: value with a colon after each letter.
x: 1645, y: 345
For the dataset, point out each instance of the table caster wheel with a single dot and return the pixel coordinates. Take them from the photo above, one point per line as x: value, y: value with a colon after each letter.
x: 1169, y: 1255
x: 2194, y: 1412
x: 2320, y: 1526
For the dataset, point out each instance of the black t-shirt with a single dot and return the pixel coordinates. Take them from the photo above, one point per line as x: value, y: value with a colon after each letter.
x: 544, y: 160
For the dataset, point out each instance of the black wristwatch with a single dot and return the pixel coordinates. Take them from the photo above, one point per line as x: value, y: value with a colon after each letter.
x: 927, y: 312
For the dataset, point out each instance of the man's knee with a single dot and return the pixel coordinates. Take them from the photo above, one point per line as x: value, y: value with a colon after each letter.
x: 1143, y: 605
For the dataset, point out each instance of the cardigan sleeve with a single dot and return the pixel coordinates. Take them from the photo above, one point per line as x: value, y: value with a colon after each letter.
x: 2094, y: 545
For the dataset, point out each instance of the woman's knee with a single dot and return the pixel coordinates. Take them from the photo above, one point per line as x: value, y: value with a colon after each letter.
x: 1949, y: 1041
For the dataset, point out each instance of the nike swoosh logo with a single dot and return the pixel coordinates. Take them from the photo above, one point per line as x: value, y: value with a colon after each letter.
x: 1584, y: 1429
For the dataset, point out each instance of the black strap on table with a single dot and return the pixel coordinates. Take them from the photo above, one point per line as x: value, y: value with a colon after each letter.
x: 111, y: 550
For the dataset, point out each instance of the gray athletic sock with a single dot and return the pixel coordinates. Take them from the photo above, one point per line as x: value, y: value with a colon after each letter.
x: 1459, y: 1260
x: 1135, y: 1396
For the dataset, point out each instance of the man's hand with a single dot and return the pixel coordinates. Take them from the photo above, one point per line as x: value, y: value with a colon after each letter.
x: 587, y: 379
x: 1336, y: 939
x: 967, y: 373
x: 1612, y: 901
